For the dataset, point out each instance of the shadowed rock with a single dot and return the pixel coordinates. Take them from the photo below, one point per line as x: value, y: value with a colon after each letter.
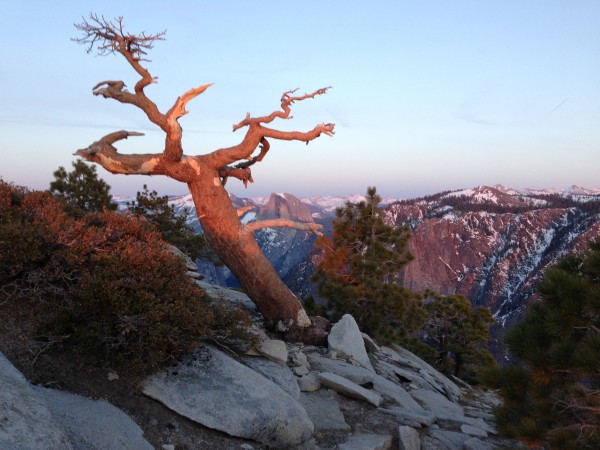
x: 221, y: 393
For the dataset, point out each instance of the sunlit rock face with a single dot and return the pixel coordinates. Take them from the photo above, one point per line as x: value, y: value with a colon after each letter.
x: 493, y: 244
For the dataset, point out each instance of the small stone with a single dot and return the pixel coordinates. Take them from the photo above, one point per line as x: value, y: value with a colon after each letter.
x: 168, y: 447
x: 476, y: 444
x: 300, y: 371
x: 349, y: 388
x: 300, y: 359
x: 153, y: 422
x: 309, y: 383
x: 367, y: 442
x: 408, y: 438
x: 112, y: 376
x: 246, y: 447
x: 275, y: 350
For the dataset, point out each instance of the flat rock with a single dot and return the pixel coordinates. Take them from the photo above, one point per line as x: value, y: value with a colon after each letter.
x: 324, y: 410
x: 404, y: 357
x: 229, y: 295
x: 363, y: 376
x: 477, y: 444
x: 442, y: 439
x: 367, y: 442
x: 218, y: 392
x: 457, y: 420
x: 93, y: 424
x: 437, y: 403
x: 349, y: 388
x: 410, y: 417
x: 273, y: 349
x: 345, y: 338
x: 282, y: 376
x: 408, y: 438
x: 25, y: 419
x: 473, y: 431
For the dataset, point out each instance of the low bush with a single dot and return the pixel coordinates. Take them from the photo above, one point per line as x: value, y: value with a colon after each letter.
x: 103, y: 285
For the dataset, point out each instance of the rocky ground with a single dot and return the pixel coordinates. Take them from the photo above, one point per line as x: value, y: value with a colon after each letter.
x: 352, y: 394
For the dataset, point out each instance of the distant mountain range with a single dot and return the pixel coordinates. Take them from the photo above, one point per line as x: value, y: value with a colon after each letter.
x: 489, y: 243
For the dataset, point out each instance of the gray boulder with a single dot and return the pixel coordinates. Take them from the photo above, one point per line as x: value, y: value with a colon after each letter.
x: 437, y: 403
x: 363, y: 376
x: 25, y: 420
x: 324, y: 410
x: 444, y: 440
x: 215, y: 390
x: 408, y: 438
x: 32, y: 417
x: 346, y: 339
x: 93, y: 424
x: 437, y: 379
x: 282, y: 376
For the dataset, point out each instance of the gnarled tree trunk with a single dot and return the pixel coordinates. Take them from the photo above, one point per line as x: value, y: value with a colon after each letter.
x: 205, y: 175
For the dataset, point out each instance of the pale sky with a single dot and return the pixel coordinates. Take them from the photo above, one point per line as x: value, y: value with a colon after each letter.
x: 427, y: 95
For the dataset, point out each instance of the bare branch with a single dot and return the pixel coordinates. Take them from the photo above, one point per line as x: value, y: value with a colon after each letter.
x: 244, y: 209
x: 244, y: 175
x: 242, y: 170
x: 269, y: 223
x: 178, y: 108
x: 257, y: 132
x: 110, y: 37
x: 286, y: 100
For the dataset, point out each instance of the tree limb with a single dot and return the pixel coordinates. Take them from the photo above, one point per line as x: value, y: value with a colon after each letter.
x: 256, y: 132
x: 105, y: 154
x: 270, y: 223
x: 286, y: 100
x: 109, y: 37
x: 242, y: 170
x: 244, y: 209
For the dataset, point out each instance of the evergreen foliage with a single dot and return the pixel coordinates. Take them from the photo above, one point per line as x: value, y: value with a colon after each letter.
x: 359, y: 268
x: 173, y: 227
x: 103, y: 286
x: 552, y: 397
x: 81, y: 189
x: 459, y: 334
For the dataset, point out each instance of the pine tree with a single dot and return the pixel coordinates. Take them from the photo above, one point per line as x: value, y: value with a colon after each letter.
x: 359, y: 269
x: 459, y: 334
x: 172, y: 226
x: 81, y: 189
x: 552, y: 397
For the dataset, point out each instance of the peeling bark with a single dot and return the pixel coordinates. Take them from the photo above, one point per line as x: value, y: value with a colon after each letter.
x: 206, y: 174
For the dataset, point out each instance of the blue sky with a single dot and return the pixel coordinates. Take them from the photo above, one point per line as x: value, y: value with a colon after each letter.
x: 427, y: 96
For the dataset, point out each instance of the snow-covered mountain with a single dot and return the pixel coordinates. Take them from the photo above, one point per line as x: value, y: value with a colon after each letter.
x: 492, y: 244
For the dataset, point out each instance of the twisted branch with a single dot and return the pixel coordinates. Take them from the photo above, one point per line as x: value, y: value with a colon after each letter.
x: 270, y: 223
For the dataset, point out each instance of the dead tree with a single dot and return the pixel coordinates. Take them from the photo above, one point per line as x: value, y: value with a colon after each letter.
x: 204, y: 174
